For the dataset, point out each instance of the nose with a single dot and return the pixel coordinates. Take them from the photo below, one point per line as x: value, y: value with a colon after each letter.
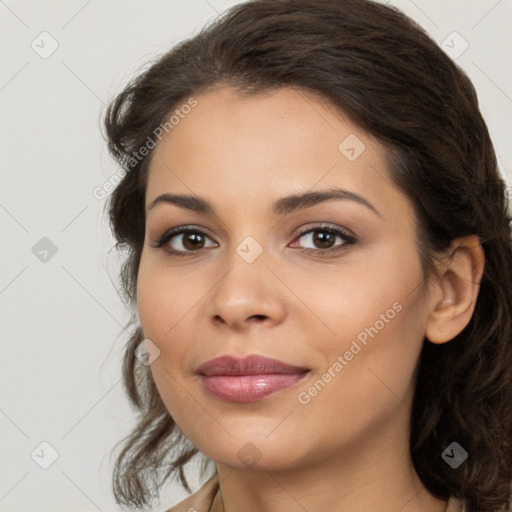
x: 248, y: 295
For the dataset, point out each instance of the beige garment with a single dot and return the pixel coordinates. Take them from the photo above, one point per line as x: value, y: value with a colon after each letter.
x: 207, y: 499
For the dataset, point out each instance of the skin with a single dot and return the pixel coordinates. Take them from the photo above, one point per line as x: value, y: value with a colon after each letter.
x: 347, y: 446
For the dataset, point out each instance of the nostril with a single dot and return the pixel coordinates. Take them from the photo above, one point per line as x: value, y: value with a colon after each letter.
x: 259, y: 317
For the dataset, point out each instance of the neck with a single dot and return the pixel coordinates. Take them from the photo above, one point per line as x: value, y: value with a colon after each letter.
x: 374, y: 473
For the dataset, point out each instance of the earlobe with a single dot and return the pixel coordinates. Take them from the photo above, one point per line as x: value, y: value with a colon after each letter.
x: 453, y: 302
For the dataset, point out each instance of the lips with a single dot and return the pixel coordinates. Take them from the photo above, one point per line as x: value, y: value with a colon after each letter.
x: 250, y: 365
x: 248, y: 379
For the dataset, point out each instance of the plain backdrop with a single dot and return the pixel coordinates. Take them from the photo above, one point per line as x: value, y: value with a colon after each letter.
x: 62, y: 403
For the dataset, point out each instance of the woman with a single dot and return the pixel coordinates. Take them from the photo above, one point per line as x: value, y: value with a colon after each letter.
x: 319, y: 265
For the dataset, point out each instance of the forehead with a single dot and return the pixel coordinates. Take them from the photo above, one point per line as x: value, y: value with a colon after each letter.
x: 279, y: 125
x: 250, y: 147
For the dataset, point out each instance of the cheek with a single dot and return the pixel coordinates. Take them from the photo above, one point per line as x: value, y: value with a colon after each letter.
x: 363, y: 385
x: 362, y: 298
x: 168, y: 302
x: 160, y: 312
x: 163, y: 299
x: 374, y: 318
x: 378, y: 334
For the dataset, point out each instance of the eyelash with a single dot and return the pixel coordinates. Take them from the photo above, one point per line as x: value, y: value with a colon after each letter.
x: 348, y: 239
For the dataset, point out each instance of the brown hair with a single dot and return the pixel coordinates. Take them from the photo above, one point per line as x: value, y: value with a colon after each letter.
x: 390, y: 78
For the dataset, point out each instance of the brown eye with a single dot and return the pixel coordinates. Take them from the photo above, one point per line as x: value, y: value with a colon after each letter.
x: 184, y: 240
x: 324, y: 239
x: 193, y: 240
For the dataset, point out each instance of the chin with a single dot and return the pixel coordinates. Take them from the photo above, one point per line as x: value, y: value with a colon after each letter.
x: 258, y: 453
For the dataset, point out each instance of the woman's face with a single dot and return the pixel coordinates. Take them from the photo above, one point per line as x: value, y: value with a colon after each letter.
x: 258, y: 274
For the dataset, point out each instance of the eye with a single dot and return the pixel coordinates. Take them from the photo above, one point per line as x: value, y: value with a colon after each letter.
x: 183, y: 240
x: 325, y: 237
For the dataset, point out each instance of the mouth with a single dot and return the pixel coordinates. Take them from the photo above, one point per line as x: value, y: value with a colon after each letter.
x: 248, y: 379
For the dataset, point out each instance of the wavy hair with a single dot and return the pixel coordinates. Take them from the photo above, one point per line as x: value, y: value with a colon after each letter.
x: 390, y: 78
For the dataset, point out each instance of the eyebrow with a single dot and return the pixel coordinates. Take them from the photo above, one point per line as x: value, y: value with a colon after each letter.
x: 282, y: 206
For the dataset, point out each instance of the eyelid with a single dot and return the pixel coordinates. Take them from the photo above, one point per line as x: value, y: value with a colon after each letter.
x: 329, y: 227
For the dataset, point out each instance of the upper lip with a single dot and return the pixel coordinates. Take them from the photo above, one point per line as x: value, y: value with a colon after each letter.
x: 249, y: 365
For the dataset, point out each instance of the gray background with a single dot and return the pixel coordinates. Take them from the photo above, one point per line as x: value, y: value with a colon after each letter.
x: 61, y: 318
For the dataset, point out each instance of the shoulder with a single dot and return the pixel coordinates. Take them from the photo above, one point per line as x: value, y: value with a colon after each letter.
x: 455, y: 505
x: 201, y: 500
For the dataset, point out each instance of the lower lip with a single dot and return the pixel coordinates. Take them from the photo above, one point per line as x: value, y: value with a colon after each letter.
x: 248, y: 388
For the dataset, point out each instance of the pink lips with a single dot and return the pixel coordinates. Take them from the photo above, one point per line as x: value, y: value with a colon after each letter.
x: 248, y: 379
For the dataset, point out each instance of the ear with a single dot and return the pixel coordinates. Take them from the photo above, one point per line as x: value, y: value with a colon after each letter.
x: 453, y: 295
